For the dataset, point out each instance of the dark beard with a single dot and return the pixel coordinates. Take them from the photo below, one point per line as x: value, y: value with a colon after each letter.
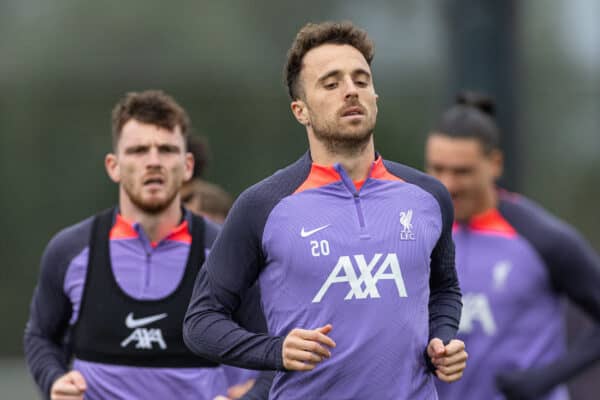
x: 151, y: 207
x: 336, y: 141
x: 349, y: 146
x: 340, y: 143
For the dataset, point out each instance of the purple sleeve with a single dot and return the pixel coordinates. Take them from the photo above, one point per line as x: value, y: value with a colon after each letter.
x: 445, y: 303
x: 573, y: 265
x: 534, y: 383
x: 210, y: 332
x: 45, y: 345
x: 574, y: 270
x: 231, y: 269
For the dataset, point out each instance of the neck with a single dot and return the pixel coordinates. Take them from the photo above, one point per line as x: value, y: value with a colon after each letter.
x: 488, y: 201
x: 356, y: 161
x: 155, y: 225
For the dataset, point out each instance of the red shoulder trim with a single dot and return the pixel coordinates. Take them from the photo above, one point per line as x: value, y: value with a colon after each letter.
x: 319, y: 175
x: 380, y: 172
x: 492, y: 222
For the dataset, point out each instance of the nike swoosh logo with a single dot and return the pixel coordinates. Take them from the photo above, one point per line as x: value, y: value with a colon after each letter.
x: 136, y: 323
x: 304, y: 233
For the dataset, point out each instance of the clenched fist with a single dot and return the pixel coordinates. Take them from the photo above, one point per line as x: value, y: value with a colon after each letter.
x: 450, y: 360
x: 303, y: 349
x: 70, y: 386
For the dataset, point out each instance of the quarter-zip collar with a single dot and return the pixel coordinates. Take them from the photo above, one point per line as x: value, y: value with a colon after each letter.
x: 124, y: 229
x: 321, y: 175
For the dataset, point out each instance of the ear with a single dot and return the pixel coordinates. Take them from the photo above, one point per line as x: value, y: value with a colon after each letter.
x: 189, y: 167
x: 497, y: 160
x: 300, y: 111
x: 376, y: 98
x: 111, y: 163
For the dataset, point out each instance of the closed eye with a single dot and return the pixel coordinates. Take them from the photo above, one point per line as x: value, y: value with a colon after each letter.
x: 462, y: 171
x: 361, y: 78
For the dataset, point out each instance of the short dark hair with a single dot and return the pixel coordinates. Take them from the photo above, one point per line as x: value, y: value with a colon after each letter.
x: 314, y: 35
x: 150, y: 107
x: 198, y: 146
x: 471, y: 116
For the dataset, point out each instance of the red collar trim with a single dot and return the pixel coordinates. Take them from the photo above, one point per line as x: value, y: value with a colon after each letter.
x: 321, y: 175
x: 490, y: 221
x: 123, y: 229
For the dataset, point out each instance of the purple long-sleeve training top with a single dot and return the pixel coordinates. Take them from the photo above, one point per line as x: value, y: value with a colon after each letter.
x: 516, y: 264
x: 374, y: 258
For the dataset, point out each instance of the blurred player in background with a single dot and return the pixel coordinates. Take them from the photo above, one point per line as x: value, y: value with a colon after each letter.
x: 515, y: 263
x: 198, y: 146
x: 113, y: 289
x: 206, y: 199
x: 200, y: 196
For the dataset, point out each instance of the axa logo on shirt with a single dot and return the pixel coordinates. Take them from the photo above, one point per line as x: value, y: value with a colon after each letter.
x: 476, y: 309
x: 144, y: 337
x: 364, y: 284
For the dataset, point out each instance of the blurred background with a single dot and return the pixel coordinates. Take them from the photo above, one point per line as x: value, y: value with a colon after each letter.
x: 63, y: 65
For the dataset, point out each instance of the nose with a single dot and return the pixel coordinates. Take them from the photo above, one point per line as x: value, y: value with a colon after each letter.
x: 351, y: 89
x: 448, y: 180
x: 153, y: 159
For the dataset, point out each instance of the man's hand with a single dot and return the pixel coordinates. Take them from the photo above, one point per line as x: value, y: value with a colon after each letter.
x: 304, y: 349
x: 450, y: 360
x: 70, y: 386
x: 237, y: 391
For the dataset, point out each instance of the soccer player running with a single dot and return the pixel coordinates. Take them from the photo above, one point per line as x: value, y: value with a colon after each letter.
x: 353, y: 253
x: 113, y: 289
x: 515, y: 262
